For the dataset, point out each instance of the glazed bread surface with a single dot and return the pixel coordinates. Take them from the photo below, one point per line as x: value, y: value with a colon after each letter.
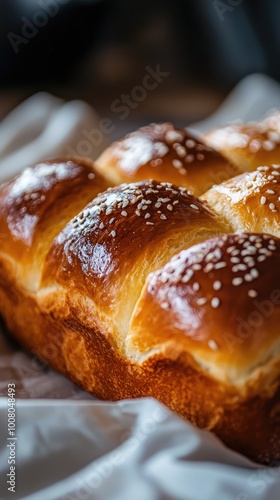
x: 143, y: 289
x: 248, y: 145
x: 166, y: 153
x: 249, y: 201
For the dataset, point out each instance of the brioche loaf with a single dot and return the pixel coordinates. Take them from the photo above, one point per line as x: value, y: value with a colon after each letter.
x: 143, y: 289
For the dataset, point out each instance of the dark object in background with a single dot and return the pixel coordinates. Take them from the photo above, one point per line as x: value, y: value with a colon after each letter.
x: 44, y: 40
x: 109, y: 43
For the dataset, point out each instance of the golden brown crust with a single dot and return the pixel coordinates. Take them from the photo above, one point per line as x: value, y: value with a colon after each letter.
x: 249, y: 202
x: 163, y: 152
x: 74, y: 291
x: 37, y: 204
x: 65, y: 341
x: 219, y: 301
x: 107, y: 250
x: 248, y: 145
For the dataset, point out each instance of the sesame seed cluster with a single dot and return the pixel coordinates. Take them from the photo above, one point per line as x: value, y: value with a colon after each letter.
x: 257, y: 136
x: 150, y: 201
x: 168, y: 140
x: 35, y: 183
x: 240, y: 256
x: 270, y: 198
x: 264, y: 182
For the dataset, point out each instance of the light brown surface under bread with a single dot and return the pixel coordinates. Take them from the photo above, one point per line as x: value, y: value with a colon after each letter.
x: 163, y: 152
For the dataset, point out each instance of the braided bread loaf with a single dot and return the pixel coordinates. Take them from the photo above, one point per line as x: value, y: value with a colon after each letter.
x: 146, y: 289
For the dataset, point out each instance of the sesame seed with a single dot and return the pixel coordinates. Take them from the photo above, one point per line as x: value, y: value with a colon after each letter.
x: 254, y: 273
x: 235, y: 260
x: 230, y: 249
x: 162, y: 216
x: 252, y: 293
x: 189, y: 158
x: 177, y: 163
x: 215, y: 302
x: 220, y: 265
x: 190, y: 143
x: 248, y: 277
x: 169, y: 207
x: 235, y: 252
x: 263, y: 169
x: 263, y: 200
x: 237, y: 281
x: 164, y: 305
x: 208, y: 267
x: 200, y: 156
x: 124, y: 213
x: 181, y: 151
x: 182, y: 171
x: 137, y: 213
x: 197, y: 267
x: 239, y: 267
x: 268, y: 145
x: 217, y: 285
x: 270, y: 191
x: 113, y: 233
x: 213, y: 345
x: 147, y: 216
x: 150, y: 223
x: 196, y: 286
x: 188, y: 276
x: 201, y: 301
x: 272, y: 206
x: 195, y: 207
x: 172, y: 135
x: 91, y: 176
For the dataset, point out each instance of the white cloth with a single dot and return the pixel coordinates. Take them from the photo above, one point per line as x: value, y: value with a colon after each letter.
x: 71, y: 447
x: 45, y: 126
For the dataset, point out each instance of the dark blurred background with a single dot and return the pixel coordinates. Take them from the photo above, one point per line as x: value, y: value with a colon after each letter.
x: 98, y: 49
